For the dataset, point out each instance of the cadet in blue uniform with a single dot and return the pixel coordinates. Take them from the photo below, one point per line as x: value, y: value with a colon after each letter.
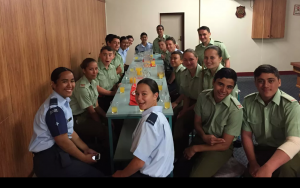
x: 152, y: 144
x: 54, y: 143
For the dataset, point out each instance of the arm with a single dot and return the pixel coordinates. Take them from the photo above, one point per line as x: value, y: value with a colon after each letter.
x: 172, y: 78
x: 248, y: 147
x: 135, y: 165
x: 93, y: 113
x: 99, y: 110
x: 68, y: 146
x: 78, y: 142
x: 185, y: 106
x: 178, y: 100
x: 119, y: 70
x: 103, y: 91
x: 216, y: 147
x: 227, y: 63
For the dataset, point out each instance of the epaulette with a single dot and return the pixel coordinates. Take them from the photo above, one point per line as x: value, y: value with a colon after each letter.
x: 206, y: 90
x: 152, y: 118
x: 236, y: 102
x: 249, y: 95
x: 288, y: 97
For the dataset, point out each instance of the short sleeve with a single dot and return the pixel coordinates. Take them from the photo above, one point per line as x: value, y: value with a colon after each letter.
x: 245, y: 124
x: 225, y: 53
x: 234, y: 123
x: 197, y: 107
x: 235, y: 92
x: 292, y: 122
x: 56, y: 121
x: 84, y: 98
x: 146, y: 140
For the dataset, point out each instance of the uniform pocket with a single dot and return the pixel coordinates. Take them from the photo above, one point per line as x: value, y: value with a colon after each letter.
x: 256, y: 126
x: 220, y: 125
x: 277, y: 127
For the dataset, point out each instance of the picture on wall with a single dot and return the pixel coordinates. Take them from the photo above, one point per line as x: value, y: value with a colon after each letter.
x: 297, y: 10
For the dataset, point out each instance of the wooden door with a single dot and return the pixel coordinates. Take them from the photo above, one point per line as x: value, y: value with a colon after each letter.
x: 278, y: 18
x: 28, y: 77
x: 261, y: 20
x: 57, y: 34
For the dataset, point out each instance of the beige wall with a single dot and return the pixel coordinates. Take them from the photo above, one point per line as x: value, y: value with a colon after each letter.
x: 135, y: 16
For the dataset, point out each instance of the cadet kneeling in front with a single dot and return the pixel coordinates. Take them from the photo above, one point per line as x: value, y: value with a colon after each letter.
x: 152, y: 144
x: 218, y: 121
x: 54, y: 143
x: 274, y: 118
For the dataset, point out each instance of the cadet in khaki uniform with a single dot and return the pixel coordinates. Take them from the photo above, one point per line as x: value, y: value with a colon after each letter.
x: 107, y: 78
x: 163, y: 48
x: 113, y: 41
x: 212, y: 62
x: 161, y: 35
x: 274, y: 118
x: 204, y: 37
x: 218, y: 121
x: 89, y: 118
x: 190, y: 87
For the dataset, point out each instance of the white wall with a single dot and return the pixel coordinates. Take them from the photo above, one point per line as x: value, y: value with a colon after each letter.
x: 246, y: 53
x: 132, y: 17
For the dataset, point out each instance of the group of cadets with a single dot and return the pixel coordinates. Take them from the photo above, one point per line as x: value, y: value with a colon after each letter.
x: 204, y: 95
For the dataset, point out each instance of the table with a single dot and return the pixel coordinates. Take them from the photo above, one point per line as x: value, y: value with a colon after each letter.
x: 296, y: 68
x: 125, y: 111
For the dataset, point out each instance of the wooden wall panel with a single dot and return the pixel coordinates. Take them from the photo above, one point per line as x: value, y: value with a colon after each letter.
x: 103, y: 24
x: 24, y: 38
x: 5, y: 98
x: 261, y: 20
x: 278, y: 18
x: 57, y: 34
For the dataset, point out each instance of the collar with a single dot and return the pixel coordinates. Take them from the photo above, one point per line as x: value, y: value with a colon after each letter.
x: 60, y: 99
x: 121, y: 50
x: 164, y: 36
x: 211, y: 42
x: 225, y: 101
x: 198, y: 71
x: 152, y: 109
x: 127, y: 49
x: 179, y: 68
x: 85, y: 82
x: 276, y: 99
x: 101, y: 65
x: 146, y: 44
x: 219, y: 67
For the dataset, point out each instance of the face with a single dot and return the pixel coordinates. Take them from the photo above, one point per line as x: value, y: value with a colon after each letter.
x: 204, y: 36
x: 175, y: 60
x: 170, y: 46
x: 130, y: 41
x: 267, y: 85
x: 64, y: 86
x: 124, y: 44
x: 160, y: 31
x: 222, y: 88
x: 162, y: 46
x: 190, y: 61
x: 144, y: 96
x: 212, y: 59
x: 144, y: 39
x: 114, y: 44
x: 106, y: 57
x: 91, y: 71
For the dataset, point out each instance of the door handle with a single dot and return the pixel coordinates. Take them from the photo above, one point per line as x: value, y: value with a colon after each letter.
x: 180, y: 38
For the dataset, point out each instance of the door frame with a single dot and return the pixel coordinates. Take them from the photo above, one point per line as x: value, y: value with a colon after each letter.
x: 182, y: 29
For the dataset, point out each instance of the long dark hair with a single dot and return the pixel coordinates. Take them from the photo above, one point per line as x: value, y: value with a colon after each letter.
x: 152, y: 85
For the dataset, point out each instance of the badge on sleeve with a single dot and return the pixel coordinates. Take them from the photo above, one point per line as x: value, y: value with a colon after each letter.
x: 152, y: 118
x: 56, y: 121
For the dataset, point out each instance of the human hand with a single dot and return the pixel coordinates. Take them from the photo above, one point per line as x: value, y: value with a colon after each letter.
x: 119, y: 69
x: 253, y: 168
x: 263, y: 172
x: 90, y: 151
x: 189, y: 152
x: 212, y: 140
x: 89, y: 158
x: 174, y: 104
x: 181, y: 113
x: 118, y: 174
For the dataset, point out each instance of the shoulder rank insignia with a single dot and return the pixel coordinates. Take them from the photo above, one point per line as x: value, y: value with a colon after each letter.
x: 82, y: 85
x: 288, y: 97
x: 236, y: 102
x: 53, y: 101
x: 152, y: 119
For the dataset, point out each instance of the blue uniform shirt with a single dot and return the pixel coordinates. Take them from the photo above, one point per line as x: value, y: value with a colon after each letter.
x: 123, y: 53
x: 153, y: 143
x: 142, y: 48
x: 53, y: 118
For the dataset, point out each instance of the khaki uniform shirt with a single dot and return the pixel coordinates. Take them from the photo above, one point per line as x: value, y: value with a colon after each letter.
x: 107, y: 78
x: 156, y: 48
x: 85, y: 94
x: 271, y: 124
x: 218, y: 118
